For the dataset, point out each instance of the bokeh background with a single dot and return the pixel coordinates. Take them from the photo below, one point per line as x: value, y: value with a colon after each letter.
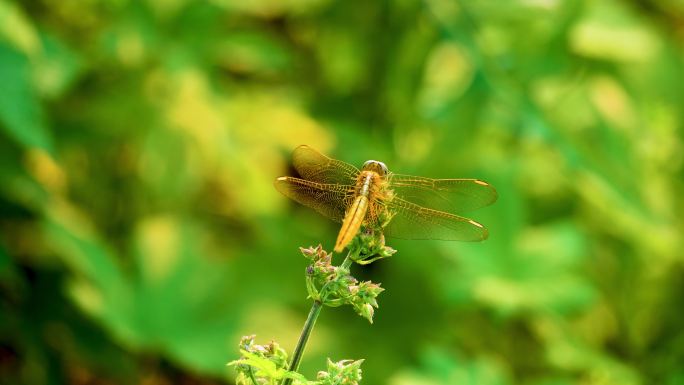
x: 141, y: 235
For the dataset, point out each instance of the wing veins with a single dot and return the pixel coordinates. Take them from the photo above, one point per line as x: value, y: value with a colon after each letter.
x: 412, y: 221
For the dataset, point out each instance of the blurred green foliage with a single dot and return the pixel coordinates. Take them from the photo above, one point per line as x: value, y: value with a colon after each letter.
x: 141, y: 235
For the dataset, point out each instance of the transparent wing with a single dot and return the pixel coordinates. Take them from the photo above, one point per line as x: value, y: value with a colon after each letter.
x: 411, y: 221
x: 316, y: 167
x: 451, y: 195
x: 330, y: 200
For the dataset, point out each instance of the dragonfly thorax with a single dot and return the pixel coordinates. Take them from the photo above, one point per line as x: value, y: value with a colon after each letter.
x: 375, y: 166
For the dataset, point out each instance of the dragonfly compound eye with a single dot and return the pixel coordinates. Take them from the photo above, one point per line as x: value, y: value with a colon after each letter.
x: 374, y: 165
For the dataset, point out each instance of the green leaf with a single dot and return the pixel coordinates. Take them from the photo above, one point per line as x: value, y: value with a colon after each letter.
x: 176, y: 302
x: 56, y: 68
x: 21, y: 114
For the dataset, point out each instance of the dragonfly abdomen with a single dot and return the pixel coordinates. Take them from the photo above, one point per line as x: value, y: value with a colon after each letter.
x: 356, y: 213
x: 352, y: 222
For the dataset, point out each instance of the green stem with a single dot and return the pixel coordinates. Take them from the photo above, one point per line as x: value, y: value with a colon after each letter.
x: 251, y: 376
x: 304, y: 337
x: 346, y: 264
x: 310, y: 322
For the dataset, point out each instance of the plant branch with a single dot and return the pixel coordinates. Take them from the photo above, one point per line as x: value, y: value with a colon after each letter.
x: 251, y: 376
x: 304, y: 338
x: 311, y: 321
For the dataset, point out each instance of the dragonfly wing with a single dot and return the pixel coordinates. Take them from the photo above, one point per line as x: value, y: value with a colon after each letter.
x: 451, y: 195
x: 328, y: 199
x: 411, y: 221
x: 316, y: 167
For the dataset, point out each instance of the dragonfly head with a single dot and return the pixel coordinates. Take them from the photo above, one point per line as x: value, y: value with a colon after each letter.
x: 376, y: 166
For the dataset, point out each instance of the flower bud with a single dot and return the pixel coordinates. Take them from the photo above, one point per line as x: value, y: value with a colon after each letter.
x: 367, y: 312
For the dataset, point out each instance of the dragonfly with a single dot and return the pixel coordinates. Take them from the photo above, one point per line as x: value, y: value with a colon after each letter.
x: 419, y: 208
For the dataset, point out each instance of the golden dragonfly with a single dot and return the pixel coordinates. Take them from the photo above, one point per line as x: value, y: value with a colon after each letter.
x: 420, y: 208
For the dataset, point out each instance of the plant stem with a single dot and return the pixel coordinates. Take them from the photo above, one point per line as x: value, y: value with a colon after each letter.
x: 304, y: 337
x: 251, y: 376
x: 310, y: 322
